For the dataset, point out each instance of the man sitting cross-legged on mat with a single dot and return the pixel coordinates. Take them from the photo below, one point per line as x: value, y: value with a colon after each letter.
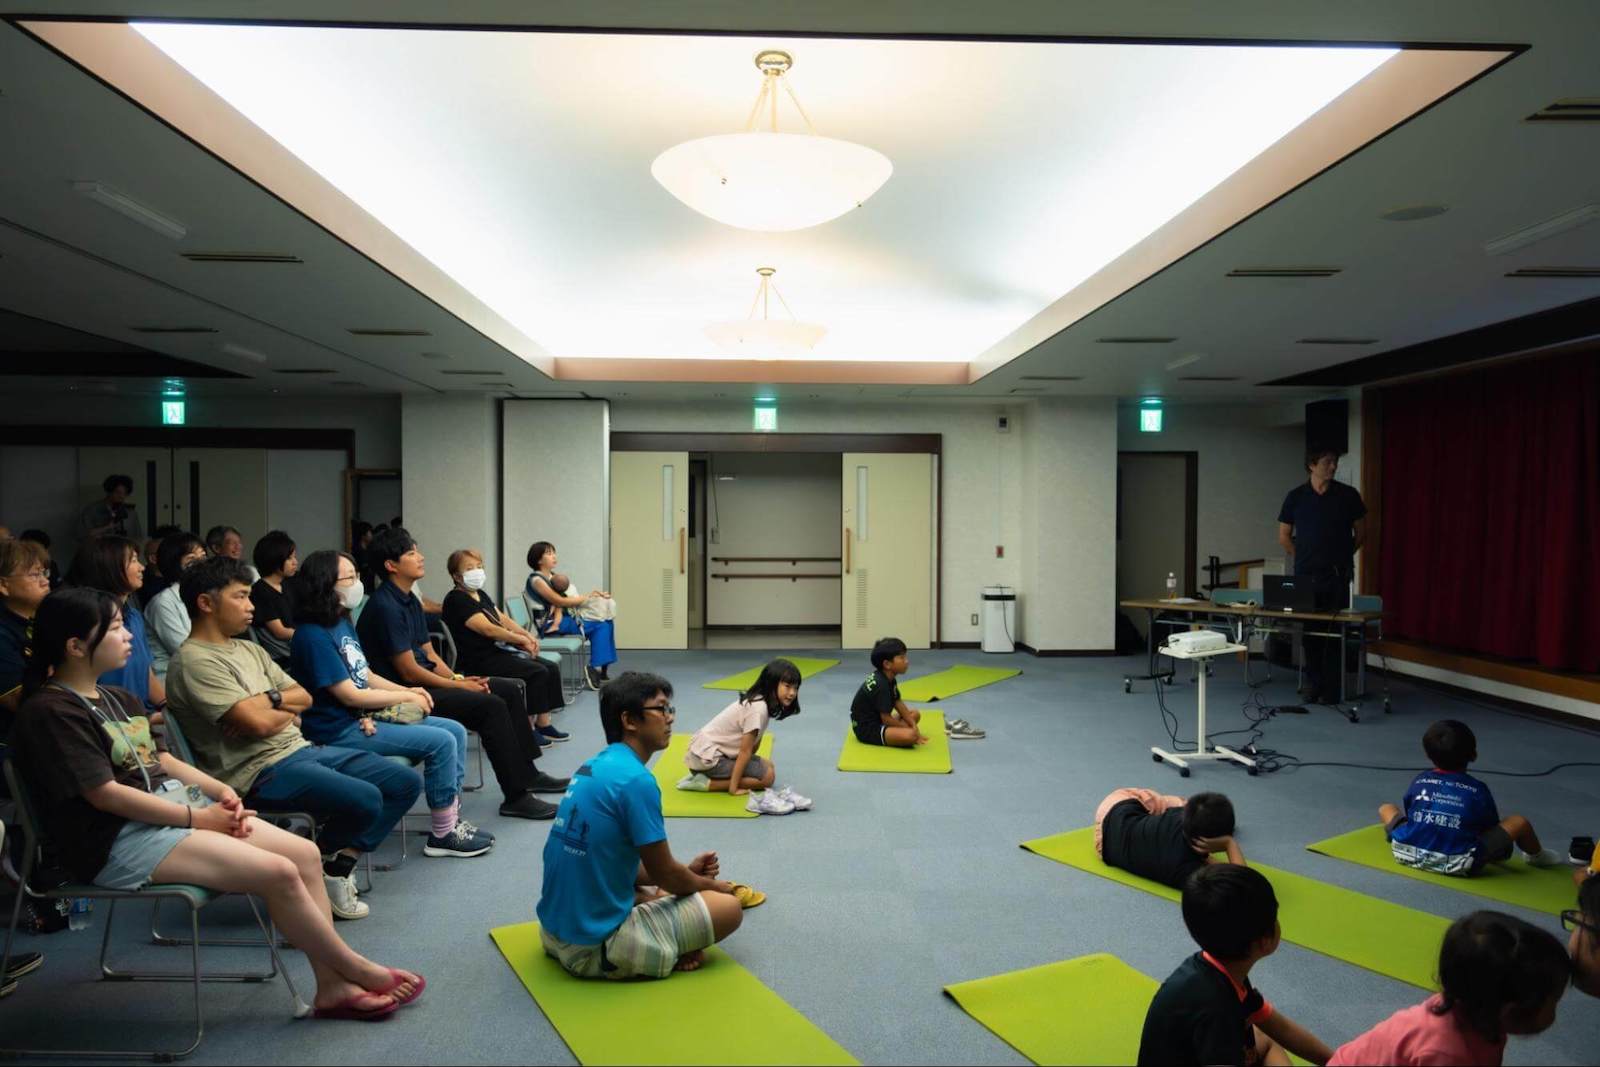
x: 877, y: 714
x: 1207, y: 1012
x: 1448, y: 822
x: 599, y: 914
x: 1164, y: 838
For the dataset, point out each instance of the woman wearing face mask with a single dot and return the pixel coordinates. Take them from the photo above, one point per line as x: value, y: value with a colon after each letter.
x: 491, y: 644
x: 352, y: 706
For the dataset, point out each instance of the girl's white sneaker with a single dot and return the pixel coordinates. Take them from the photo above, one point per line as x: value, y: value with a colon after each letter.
x: 800, y: 803
x: 768, y: 803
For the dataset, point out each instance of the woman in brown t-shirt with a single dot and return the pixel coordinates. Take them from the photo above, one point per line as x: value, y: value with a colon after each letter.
x: 125, y: 813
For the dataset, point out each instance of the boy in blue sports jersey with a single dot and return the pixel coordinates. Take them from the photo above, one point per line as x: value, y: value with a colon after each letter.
x: 1448, y: 822
x: 601, y: 914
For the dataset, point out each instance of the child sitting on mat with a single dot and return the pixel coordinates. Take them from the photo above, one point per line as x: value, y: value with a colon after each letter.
x: 877, y: 714
x: 722, y: 753
x: 1447, y: 822
x: 601, y: 913
x: 1207, y: 1012
x: 1500, y: 976
x: 1164, y: 838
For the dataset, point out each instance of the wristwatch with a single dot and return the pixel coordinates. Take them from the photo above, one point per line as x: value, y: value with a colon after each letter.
x: 276, y: 698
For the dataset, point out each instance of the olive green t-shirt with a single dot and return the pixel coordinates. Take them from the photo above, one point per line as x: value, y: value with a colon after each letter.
x: 204, y: 681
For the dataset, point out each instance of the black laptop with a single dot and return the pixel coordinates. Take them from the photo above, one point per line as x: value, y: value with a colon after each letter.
x: 1282, y: 592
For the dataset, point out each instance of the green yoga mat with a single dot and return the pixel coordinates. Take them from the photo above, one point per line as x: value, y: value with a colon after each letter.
x: 931, y: 758
x: 1033, y: 1010
x: 719, y: 1011
x: 681, y: 803
x: 1546, y: 889
x: 1400, y: 942
x: 742, y: 681
x: 952, y: 682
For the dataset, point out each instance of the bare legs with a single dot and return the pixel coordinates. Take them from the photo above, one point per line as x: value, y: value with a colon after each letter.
x: 1519, y: 829
x: 726, y: 915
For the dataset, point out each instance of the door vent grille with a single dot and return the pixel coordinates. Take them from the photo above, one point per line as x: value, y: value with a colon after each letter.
x: 667, y: 621
x: 861, y: 598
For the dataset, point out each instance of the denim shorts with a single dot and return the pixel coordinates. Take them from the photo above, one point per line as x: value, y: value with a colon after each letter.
x: 141, y: 846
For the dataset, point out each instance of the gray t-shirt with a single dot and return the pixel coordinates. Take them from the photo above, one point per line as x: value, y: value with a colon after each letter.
x: 204, y: 681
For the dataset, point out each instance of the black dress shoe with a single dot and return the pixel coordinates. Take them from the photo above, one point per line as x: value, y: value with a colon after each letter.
x: 528, y: 806
x: 23, y: 963
x: 546, y: 783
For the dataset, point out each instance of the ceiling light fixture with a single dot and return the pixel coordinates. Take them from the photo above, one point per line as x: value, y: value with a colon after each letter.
x: 243, y: 353
x: 1539, y: 231
x: 763, y: 179
x: 1184, y: 361
x: 766, y: 337
x: 124, y: 204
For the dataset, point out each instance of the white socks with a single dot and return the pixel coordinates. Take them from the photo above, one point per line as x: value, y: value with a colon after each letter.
x: 695, y: 783
x: 1545, y: 857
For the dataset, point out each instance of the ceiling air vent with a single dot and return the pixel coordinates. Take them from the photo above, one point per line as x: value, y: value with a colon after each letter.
x: 1028, y: 389
x: 351, y: 385
x: 1136, y: 340
x: 239, y: 257
x: 1337, y: 341
x: 1283, y: 272
x: 470, y: 373
x: 375, y: 332
x: 173, y: 329
x: 494, y: 385
x: 1555, y: 272
x: 303, y: 370
x: 1052, y: 378
x: 1208, y: 378
x: 1573, y: 109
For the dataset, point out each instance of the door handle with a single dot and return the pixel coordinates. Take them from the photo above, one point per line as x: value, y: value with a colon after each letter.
x: 847, y: 550
x: 683, y: 549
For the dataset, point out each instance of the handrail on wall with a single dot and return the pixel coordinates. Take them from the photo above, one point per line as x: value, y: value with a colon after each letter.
x: 774, y: 559
x: 791, y: 577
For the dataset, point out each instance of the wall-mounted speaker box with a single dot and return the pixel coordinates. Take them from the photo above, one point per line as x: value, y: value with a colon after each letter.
x: 1328, y: 425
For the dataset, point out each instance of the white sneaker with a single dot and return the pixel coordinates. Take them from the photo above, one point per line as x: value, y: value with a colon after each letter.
x: 800, y: 803
x: 768, y: 803
x: 695, y: 783
x: 1547, y: 857
x: 342, y: 895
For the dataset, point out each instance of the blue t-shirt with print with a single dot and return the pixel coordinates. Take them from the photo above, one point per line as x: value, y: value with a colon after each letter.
x: 134, y: 676
x: 1446, y: 813
x: 321, y: 657
x: 591, y: 859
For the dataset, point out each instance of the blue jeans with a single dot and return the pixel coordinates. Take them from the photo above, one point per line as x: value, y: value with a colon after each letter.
x: 440, y: 744
x: 357, y: 796
x: 602, y: 638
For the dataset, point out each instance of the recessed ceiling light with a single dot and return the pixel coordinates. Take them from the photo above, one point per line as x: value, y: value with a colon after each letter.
x: 1413, y: 213
x: 244, y: 353
x: 1539, y: 231
x: 125, y: 205
x: 1184, y: 361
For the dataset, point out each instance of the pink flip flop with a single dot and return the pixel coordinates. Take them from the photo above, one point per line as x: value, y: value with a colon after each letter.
x: 399, y: 977
x: 347, y: 1009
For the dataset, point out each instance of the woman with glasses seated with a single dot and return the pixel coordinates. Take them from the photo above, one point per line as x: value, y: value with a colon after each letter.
x: 124, y: 813
x: 24, y: 582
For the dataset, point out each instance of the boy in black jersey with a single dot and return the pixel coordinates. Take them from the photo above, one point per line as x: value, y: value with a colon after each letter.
x: 877, y: 714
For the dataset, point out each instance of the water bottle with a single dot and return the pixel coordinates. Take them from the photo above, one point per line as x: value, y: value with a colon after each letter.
x: 1172, y: 586
x: 78, y: 917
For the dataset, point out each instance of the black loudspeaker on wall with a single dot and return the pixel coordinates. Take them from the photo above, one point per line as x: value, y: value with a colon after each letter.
x: 1328, y: 425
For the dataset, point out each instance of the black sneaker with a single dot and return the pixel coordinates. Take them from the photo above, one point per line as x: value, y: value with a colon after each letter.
x: 460, y: 842
x: 550, y: 735
x: 23, y: 963
x: 593, y: 676
x: 528, y: 806
x: 545, y: 783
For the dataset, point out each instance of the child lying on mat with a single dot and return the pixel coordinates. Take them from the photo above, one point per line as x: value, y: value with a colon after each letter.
x: 722, y: 753
x: 600, y: 913
x: 1164, y: 838
x: 877, y: 714
x: 1207, y: 1012
x: 1500, y: 976
x: 1448, y: 823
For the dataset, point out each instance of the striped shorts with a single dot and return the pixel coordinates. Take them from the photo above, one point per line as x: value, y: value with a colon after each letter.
x: 646, y: 945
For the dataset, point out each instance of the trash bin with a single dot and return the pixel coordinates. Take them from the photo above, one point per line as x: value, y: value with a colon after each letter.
x: 999, y: 618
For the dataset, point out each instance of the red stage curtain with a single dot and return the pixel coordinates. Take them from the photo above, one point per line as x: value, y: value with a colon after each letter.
x: 1491, y: 511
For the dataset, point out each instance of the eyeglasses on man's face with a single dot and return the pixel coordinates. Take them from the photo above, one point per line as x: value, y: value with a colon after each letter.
x: 667, y: 710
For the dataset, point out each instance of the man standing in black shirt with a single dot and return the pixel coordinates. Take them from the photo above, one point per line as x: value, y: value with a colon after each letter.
x: 1320, y: 526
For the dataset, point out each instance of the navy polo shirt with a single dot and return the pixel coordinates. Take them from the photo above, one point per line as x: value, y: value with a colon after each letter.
x: 14, y: 633
x: 391, y: 623
x: 1324, y: 541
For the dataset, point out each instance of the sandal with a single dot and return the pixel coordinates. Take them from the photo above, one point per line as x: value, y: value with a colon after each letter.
x: 347, y: 1009
x: 747, y: 897
x: 399, y: 978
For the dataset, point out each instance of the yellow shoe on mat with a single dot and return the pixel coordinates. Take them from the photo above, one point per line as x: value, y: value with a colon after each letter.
x: 748, y: 898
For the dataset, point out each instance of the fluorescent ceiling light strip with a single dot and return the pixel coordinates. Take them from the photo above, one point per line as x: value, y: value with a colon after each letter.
x: 1539, y: 231
x: 126, y: 205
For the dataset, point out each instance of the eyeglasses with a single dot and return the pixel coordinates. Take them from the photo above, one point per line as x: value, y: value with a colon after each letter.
x: 667, y: 710
x: 39, y: 574
x: 1574, y: 920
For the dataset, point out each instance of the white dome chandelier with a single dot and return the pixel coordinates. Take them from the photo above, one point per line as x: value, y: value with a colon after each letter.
x: 766, y: 337
x: 763, y: 179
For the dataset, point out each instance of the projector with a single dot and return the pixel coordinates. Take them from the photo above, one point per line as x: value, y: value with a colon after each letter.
x: 1191, y: 641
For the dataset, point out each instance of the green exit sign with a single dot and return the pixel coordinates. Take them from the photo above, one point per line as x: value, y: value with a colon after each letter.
x: 172, y: 412
x: 1149, y: 420
x: 766, y: 418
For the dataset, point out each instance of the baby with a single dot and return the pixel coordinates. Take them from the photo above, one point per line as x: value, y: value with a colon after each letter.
x: 598, y: 606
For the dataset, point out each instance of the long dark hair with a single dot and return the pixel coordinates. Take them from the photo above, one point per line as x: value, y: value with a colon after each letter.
x: 316, y: 598
x: 80, y: 612
x: 766, y: 688
x: 102, y: 563
x: 1490, y: 962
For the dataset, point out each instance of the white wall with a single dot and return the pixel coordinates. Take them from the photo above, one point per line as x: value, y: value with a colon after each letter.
x: 375, y: 419
x: 557, y: 489
x: 1250, y: 456
x: 304, y: 498
x: 1067, y: 600
x: 450, y: 456
x: 39, y: 488
x: 777, y: 504
x: 981, y: 477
